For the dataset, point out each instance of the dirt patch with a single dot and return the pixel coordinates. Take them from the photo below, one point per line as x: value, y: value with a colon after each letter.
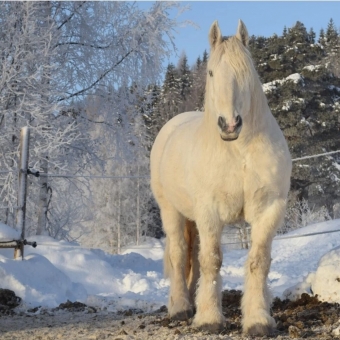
x: 306, y: 318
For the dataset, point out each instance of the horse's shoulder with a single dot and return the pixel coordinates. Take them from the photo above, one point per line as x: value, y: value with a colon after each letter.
x: 185, y: 117
x: 180, y: 120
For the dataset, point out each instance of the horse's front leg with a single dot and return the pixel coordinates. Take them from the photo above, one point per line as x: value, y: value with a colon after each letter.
x: 179, y: 306
x: 208, y: 299
x: 256, y: 297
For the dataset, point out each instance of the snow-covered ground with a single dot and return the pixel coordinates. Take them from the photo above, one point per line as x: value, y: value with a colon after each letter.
x: 56, y: 270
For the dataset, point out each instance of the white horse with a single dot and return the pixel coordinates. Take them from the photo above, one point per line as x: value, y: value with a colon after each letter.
x: 214, y: 168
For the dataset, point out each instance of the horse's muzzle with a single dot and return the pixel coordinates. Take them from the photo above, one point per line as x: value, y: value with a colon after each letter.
x: 229, y: 132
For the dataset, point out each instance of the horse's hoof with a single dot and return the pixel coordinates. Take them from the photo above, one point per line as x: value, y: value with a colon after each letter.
x: 259, y: 327
x: 183, y: 315
x: 214, y: 328
x: 259, y: 330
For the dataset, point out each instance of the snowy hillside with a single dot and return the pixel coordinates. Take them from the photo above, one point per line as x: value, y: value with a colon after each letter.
x: 56, y: 271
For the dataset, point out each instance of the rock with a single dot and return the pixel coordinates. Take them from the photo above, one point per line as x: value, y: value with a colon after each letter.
x: 8, y: 299
x: 336, y: 331
x: 72, y: 306
x: 294, y: 332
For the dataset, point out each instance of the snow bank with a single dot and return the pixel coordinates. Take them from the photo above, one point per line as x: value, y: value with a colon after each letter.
x: 326, y: 282
x: 7, y: 233
x: 38, y: 282
x: 57, y: 271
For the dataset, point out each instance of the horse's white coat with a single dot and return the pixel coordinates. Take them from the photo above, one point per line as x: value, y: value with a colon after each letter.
x: 198, y: 176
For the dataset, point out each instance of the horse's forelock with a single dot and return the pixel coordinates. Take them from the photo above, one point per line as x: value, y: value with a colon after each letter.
x: 239, y: 59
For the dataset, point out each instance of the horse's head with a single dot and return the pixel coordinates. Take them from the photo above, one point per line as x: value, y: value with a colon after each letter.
x: 228, y: 80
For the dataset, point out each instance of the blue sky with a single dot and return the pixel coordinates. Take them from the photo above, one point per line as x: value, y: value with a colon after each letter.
x: 261, y: 18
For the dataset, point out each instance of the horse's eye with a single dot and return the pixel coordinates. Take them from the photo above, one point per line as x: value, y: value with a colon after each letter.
x: 210, y: 73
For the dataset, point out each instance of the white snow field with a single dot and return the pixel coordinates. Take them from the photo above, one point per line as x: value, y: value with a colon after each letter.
x: 57, y: 271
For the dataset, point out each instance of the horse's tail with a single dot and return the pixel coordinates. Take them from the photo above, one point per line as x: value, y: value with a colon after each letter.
x: 166, y: 260
x: 189, y: 236
x: 192, y: 266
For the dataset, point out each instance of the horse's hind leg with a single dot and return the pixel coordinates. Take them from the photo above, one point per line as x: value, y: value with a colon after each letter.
x: 179, y: 306
x: 257, y: 298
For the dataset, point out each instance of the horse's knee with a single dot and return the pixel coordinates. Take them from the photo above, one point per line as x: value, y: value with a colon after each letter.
x: 258, y: 266
x: 211, y: 262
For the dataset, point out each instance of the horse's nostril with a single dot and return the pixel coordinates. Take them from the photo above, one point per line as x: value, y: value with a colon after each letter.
x: 221, y: 122
x: 238, y: 120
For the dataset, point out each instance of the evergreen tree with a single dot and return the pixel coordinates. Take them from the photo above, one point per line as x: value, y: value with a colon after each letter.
x: 331, y: 33
x: 198, y: 85
x: 311, y: 36
x: 298, y: 33
x: 198, y: 63
x: 321, y: 39
x: 149, y: 109
x: 284, y: 33
x: 170, y: 94
x: 185, y: 83
x: 205, y: 57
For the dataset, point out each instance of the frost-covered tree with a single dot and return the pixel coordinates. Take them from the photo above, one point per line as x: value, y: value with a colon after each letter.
x: 109, y: 43
x: 55, y: 57
x: 27, y: 97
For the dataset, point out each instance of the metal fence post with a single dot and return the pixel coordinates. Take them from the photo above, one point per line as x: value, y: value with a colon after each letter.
x: 21, y: 212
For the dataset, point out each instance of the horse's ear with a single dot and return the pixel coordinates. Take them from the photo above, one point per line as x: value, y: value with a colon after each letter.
x: 242, y: 33
x: 215, y: 36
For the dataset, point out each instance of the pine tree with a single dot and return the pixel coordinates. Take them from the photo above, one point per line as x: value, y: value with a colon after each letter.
x: 170, y: 94
x: 185, y: 78
x: 298, y: 33
x: 198, y: 63
x: 284, y: 33
x: 321, y: 39
x: 205, y: 57
x: 331, y: 33
x: 311, y: 36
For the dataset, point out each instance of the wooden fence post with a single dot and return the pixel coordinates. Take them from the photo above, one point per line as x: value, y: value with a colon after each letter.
x: 21, y: 212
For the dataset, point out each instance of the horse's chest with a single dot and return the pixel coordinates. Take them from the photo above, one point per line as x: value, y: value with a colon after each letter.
x: 229, y: 201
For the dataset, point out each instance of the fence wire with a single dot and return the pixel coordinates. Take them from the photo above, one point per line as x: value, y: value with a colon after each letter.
x: 38, y: 173
x: 280, y: 238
